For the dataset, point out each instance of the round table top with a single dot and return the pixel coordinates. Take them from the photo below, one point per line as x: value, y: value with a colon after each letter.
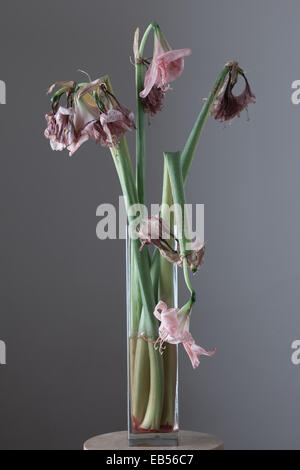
x: 188, y: 440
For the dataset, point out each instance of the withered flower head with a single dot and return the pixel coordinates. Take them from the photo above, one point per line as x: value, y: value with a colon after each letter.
x: 91, y: 112
x: 154, y: 231
x: 227, y: 105
x: 195, y: 257
x: 153, y: 102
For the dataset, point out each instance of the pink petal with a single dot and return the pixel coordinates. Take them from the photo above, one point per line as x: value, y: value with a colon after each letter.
x: 75, y: 145
x: 84, y: 114
x: 171, y: 64
x: 162, y: 306
x: 55, y: 145
x: 151, y: 78
x: 194, y: 352
x: 65, y: 111
x: 171, y: 322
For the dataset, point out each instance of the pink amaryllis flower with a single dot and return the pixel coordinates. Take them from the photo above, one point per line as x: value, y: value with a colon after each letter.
x: 227, y: 105
x: 167, y: 65
x: 174, y: 329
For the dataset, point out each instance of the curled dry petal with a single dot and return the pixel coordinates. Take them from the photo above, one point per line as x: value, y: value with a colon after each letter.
x: 195, y: 256
x: 153, y: 102
x: 69, y: 84
x: 90, y: 87
x: 60, y: 128
x: 152, y: 229
x: 136, y: 44
x: 115, y: 123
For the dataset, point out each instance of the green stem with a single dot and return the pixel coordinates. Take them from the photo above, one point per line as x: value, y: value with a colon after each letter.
x: 135, y: 297
x: 167, y: 295
x: 155, y: 268
x: 140, y: 123
x: 166, y: 268
x: 155, y: 402
x: 123, y: 164
x: 173, y: 160
x: 193, y: 139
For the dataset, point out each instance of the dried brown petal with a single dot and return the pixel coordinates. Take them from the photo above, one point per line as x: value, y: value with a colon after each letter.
x: 70, y: 84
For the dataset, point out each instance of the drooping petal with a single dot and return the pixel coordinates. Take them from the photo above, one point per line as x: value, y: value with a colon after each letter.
x: 151, y: 79
x: 60, y: 128
x: 194, y: 352
x: 74, y: 146
x: 65, y: 84
x: 195, y: 257
x: 90, y: 87
x: 84, y: 113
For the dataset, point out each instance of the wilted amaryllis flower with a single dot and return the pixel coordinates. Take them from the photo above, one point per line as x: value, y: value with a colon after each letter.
x: 166, y: 66
x: 175, y: 328
x: 93, y: 112
x: 227, y: 106
x: 154, y: 231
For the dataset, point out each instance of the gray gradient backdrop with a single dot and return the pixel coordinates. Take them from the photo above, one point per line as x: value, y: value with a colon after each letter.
x: 62, y: 294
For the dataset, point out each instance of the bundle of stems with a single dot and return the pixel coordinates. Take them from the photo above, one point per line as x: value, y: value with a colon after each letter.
x: 152, y: 375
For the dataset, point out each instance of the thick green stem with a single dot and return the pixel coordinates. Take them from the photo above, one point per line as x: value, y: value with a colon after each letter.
x: 193, y: 139
x: 139, y: 379
x: 140, y: 122
x: 173, y: 160
x: 166, y: 268
x: 124, y: 169
x: 135, y: 297
x: 154, y: 409
x: 167, y: 295
x: 155, y: 274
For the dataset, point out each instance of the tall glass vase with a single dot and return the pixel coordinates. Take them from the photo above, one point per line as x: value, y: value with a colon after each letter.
x: 152, y: 402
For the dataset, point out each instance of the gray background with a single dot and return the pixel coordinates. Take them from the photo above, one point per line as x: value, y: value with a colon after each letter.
x: 63, y: 291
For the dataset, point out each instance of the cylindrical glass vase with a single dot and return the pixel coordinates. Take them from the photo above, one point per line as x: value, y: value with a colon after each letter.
x: 152, y: 366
